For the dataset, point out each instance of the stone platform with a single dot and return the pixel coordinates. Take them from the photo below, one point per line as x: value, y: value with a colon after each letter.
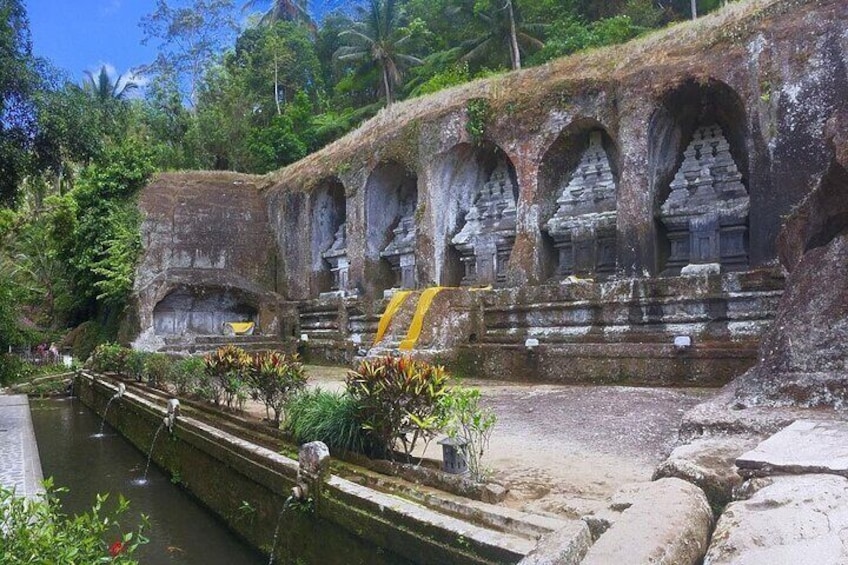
x: 20, y: 466
x: 804, y: 447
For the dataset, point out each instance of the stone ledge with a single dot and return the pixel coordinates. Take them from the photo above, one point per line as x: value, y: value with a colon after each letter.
x: 806, y: 446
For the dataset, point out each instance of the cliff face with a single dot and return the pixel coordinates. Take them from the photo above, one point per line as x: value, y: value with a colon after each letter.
x: 681, y: 153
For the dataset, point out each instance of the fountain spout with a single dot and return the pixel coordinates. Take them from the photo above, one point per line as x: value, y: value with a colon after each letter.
x: 173, y: 412
x: 122, y: 388
x: 314, y: 460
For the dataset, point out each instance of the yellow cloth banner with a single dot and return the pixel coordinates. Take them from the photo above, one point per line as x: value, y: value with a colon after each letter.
x: 395, y: 303
x: 240, y: 328
x: 418, y: 319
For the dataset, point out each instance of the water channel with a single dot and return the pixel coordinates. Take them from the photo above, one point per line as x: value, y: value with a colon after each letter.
x: 180, y: 531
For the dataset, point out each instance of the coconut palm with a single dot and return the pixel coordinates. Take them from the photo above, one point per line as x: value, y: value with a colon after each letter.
x: 287, y: 10
x: 504, y: 30
x: 374, y: 40
x: 102, y: 89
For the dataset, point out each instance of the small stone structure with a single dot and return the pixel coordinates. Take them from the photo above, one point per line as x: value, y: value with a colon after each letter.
x: 706, y: 213
x: 583, y: 228
x: 336, y: 256
x: 485, y: 241
x: 400, y: 253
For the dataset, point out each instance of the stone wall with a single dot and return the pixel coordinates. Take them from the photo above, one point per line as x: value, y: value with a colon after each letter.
x: 676, y: 154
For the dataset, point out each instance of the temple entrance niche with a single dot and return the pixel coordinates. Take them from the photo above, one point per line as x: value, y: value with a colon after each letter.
x: 330, y: 265
x: 578, y: 184
x: 699, y: 170
x: 391, y: 197
x: 487, y: 226
x: 201, y: 311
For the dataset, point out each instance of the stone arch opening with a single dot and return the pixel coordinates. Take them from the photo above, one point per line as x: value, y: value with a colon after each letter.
x: 578, y: 184
x: 202, y: 311
x: 698, y: 172
x: 474, y: 212
x: 391, y: 199
x: 330, y: 264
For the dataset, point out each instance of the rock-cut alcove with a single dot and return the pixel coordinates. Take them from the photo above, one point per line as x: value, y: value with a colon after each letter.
x: 578, y: 182
x: 201, y: 311
x: 328, y: 212
x: 391, y: 198
x: 474, y: 200
x: 698, y: 168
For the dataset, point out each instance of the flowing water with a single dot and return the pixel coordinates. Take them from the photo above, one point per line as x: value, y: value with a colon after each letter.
x: 181, y: 531
x: 103, y: 421
x: 286, y: 504
x: 143, y: 480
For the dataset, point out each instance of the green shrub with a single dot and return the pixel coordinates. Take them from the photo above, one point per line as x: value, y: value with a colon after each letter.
x: 463, y: 418
x: 397, y: 399
x: 108, y: 358
x: 38, y: 531
x: 273, y: 378
x: 318, y: 415
x: 227, y: 370
x: 135, y: 364
x: 157, y: 369
x: 187, y: 375
x: 83, y: 339
x: 13, y: 369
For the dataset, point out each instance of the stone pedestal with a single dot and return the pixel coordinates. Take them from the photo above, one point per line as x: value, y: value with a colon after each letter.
x: 400, y: 253
x: 485, y: 241
x: 336, y: 256
x: 706, y: 213
x: 584, y: 225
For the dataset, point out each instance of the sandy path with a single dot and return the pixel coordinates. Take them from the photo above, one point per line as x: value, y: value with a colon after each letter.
x: 565, y: 449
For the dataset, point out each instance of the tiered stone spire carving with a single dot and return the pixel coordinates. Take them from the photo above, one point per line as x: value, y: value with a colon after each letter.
x: 485, y: 241
x: 336, y: 256
x: 584, y: 226
x: 706, y: 213
x: 400, y: 252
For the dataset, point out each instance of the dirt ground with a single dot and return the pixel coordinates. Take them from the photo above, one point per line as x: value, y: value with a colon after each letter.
x: 564, y: 449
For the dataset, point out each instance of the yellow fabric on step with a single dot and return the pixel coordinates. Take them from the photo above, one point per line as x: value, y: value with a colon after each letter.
x: 241, y: 328
x: 424, y: 303
x: 394, y: 304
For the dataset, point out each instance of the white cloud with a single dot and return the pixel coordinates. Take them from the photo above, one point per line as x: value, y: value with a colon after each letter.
x: 110, y: 7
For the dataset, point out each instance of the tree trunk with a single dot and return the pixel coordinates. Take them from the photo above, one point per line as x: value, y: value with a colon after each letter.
x: 694, y: 9
x: 277, y: 86
x: 387, y: 85
x: 515, y: 54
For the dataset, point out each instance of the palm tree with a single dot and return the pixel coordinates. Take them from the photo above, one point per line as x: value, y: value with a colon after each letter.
x: 374, y: 40
x: 286, y: 10
x: 504, y: 29
x: 102, y: 89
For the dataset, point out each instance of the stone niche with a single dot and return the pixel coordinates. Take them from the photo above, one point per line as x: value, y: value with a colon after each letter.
x: 200, y: 312
x: 706, y: 212
x: 330, y: 265
x: 391, y: 200
x: 485, y: 241
x: 583, y: 228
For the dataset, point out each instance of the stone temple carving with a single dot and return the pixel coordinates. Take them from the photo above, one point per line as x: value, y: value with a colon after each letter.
x: 336, y: 256
x: 400, y: 252
x: 706, y: 213
x: 485, y: 241
x: 584, y: 226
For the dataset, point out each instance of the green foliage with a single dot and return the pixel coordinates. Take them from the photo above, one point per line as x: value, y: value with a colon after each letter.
x: 463, y: 418
x: 276, y: 145
x: 572, y: 34
x: 273, y: 378
x: 39, y: 531
x: 187, y: 374
x: 331, y: 417
x: 84, y: 338
x: 134, y: 365
x: 13, y: 369
x: 108, y: 358
x: 479, y: 111
x: 452, y: 76
x: 157, y: 369
x: 227, y: 369
x: 397, y: 399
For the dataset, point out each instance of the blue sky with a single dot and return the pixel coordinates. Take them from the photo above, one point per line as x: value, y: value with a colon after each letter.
x: 79, y: 35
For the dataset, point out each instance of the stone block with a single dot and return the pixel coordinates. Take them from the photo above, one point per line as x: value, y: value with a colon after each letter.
x: 566, y: 546
x: 668, y: 521
x: 709, y: 463
x: 805, y: 446
x: 796, y: 519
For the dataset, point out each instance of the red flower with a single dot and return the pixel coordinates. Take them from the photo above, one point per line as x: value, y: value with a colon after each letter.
x: 116, y: 548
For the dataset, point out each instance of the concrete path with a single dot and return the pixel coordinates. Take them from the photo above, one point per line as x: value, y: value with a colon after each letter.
x: 20, y: 467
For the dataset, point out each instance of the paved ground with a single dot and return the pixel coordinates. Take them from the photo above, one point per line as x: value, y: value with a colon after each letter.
x: 564, y: 449
x: 20, y: 467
